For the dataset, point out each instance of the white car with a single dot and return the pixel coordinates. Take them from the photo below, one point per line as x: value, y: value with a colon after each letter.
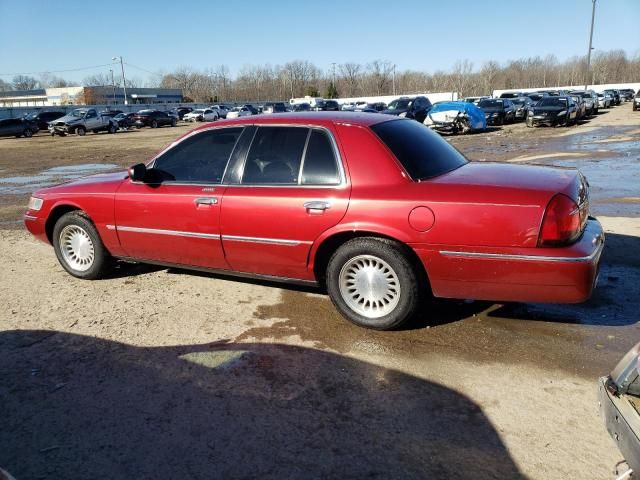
x: 202, y: 115
x: 238, y: 112
x: 221, y: 109
x: 604, y: 101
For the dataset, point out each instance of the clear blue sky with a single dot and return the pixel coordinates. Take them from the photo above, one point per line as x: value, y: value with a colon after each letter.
x: 422, y: 35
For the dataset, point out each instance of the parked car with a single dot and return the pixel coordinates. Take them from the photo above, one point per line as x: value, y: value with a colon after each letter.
x: 475, y: 100
x: 604, y: 101
x: 153, y: 119
x: 416, y: 108
x: 327, y: 106
x: 221, y: 109
x: 581, y: 109
x: 301, y: 107
x: 182, y: 111
x: 590, y: 101
x: 271, y: 107
x: 553, y: 111
x: 125, y: 120
x: 619, y: 401
x: 636, y: 101
x: 202, y: 115
x: 42, y: 119
x: 392, y: 215
x: 82, y: 120
x: 536, y: 96
x: 615, y: 94
x: 239, y: 112
x: 627, y: 93
x: 456, y: 117
x: 522, y: 106
x: 498, y: 111
x: 346, y: 107
x: 17, y: 127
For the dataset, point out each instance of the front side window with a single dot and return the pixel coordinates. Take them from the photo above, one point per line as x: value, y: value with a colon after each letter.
x: 275, y: 155
x: 320, y: 167
x: 201, y: 158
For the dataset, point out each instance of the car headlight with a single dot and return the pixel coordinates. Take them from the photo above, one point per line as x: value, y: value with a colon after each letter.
x: 403, y: 114
x: 563, y: 112
x: 35, y: 203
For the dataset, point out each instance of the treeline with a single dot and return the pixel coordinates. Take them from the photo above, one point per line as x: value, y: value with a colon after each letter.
x: 379, y: 77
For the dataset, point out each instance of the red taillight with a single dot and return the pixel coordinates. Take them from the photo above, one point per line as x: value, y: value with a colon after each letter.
x: 562, y: 222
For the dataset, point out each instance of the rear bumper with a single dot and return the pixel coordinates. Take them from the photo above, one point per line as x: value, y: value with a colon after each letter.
x: 547, y: 275
x: 622, y: 422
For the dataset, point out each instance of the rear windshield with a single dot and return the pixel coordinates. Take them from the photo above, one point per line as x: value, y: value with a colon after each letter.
x: 423, y: 153
x: 490, y: 103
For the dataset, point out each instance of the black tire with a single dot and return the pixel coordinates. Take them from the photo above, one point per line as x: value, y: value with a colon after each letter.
x: 112, y: 128
x: 27, y: 133
x: 173, y: 122
x: 395, y: 256
x: 81, y: 131
x: 154, y: 124
x: 529, y: 122
x: 102, y: 260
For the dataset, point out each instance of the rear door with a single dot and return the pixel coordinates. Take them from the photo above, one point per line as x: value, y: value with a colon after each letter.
x: 174, y: 217
x: 289, y: 190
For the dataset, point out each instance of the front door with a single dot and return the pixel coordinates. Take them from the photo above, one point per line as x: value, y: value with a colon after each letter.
x: 292, y: 189
x: 174, y: 216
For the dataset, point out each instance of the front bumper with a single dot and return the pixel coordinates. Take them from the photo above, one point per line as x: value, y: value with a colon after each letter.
x: 546, y: 275
x: 544, y: 119
x: 622, y: 422
x: 61, y: 128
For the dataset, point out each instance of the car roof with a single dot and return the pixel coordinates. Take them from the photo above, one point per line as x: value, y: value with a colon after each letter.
x: 308, y: 118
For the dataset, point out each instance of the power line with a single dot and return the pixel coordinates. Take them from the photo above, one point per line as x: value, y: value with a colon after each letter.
x: 143, y: 69
x: 57, y: 71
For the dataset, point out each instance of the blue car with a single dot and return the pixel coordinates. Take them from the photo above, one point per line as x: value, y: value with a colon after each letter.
x: 456, y: 117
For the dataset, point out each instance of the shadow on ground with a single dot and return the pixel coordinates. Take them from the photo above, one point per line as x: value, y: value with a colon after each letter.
x: 81, y: 407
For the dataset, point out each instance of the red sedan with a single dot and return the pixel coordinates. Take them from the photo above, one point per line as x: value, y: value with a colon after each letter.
x: 379, y: 210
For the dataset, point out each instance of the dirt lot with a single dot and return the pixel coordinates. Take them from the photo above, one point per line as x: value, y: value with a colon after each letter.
x: 156, y: 373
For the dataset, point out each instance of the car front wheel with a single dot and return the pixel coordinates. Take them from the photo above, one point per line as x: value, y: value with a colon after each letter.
x: 372, y: 282
x: 154, y: 124
x: 79, y: 248
x: 81, y: 131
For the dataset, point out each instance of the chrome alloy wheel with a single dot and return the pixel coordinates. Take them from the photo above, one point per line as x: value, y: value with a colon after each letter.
x: 369, y: 286
x: 77, y: 248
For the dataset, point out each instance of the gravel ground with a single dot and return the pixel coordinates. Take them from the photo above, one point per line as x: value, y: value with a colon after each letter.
x: 162, y: 373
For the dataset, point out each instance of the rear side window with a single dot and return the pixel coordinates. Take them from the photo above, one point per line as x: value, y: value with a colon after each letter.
x: 423, y: 153
x: 320, y: 166
x: 275, y: 156
x: 201, y: 158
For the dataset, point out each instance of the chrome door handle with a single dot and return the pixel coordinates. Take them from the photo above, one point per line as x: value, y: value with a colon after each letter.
x: 206, y: 201
x: 317, y: 205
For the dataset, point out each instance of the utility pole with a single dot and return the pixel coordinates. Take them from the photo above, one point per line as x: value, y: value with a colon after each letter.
x: 113, y: 85
x: 124, y: 81
x: 333, y: 75
x: 593, y: 16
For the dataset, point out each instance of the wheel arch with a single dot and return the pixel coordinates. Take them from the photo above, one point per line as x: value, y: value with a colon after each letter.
x: 328, y: 244
x: 55, y: 214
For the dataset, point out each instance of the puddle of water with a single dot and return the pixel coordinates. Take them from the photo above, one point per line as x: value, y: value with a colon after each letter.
x: 610, y: 177
x: 18, y: 185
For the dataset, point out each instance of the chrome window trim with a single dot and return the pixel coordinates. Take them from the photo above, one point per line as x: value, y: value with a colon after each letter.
x: 270, y: 241
x: 156, y: 231
x: 334, y: 145
x: 534, y: 258
x: 304, y: 155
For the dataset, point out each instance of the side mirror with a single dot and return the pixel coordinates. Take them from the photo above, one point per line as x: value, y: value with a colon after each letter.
x: 137, y: 172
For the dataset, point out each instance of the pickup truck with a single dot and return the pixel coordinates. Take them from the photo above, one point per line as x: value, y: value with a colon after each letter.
x: 80, y: 120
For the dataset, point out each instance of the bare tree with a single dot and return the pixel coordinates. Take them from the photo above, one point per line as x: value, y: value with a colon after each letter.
x: 24, y: 82
x: 379, y: 73
x: 98, y: 80
x: 351, y: 73
x: 5, y: 86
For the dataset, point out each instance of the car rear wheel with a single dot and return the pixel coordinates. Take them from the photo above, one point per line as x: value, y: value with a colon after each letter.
x: 154, y: 124
x: 81, y: 131
x: 79, y: 248
x: 27, y: 133
x: 372, y: 283
x: 173, y: 122
x: 112, y: 128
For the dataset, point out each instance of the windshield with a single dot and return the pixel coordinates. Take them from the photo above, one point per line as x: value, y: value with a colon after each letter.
x: 120, y: 115
x: 400, y: 104
x: 199, y: 110
x: 490, y: 104
x: 552, y: 102
x: 423, y: 153
x: 78, y: 112
x: 518, y: 101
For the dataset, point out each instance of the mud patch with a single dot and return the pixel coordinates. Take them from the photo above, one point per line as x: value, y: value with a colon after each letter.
x: 22, y: 184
